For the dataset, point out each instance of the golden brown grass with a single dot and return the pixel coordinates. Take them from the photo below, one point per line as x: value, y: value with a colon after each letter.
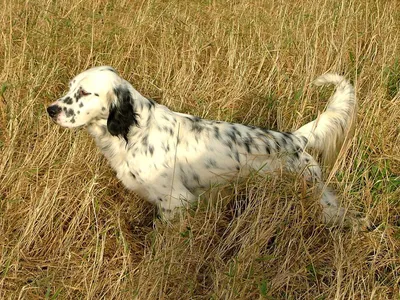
x: 68, y: 228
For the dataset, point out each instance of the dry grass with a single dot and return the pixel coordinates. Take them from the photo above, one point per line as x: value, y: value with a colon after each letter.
x: 68, y: 228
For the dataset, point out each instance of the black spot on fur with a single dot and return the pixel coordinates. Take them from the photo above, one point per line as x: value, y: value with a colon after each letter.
x: 278, y: 145
x: 297, y: 151
x: 69, y: 113
x: 150, y: 104
x: 229, y: 144
x: 265, y: 130
x: 288, y: 135
x: 248, y: 142
x: 184, y: 180
x: 77, y: 95
x: 168, y: 129
x: 196, y: 177
x: 145, y: 141
x: 133, y: 175
x: 267, y: 149
x: 217, y: 135
x: 165, y: 147
x: 148, y: 122
x: 232, y: 135
x: 108, y: 69
x: 68, y: 100
x: 236, y: 154
x: 210, y: 163
x: 151, y: 150
x: 96, y: 94
x: 197, y: 125
x: 81, y: 104
x: 250, y: 138
x: 247, y: 145
x: 236, y: 131
x: 122, y: 113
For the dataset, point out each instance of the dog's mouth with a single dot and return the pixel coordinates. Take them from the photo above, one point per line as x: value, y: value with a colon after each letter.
x: 54, y: 120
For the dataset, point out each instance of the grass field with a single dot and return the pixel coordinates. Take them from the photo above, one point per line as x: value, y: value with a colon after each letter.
x: 70, y: 230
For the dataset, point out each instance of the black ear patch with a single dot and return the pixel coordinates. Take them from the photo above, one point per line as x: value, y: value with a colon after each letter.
x: 122, y: 114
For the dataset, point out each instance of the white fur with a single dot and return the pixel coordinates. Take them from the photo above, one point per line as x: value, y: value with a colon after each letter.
x: 169, y: 158
x: 328, y: 132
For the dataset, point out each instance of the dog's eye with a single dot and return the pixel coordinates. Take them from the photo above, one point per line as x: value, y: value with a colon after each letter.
x: 83, y: 93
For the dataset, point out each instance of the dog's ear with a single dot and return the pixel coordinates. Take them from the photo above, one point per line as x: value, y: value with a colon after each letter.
x: 122, y: 113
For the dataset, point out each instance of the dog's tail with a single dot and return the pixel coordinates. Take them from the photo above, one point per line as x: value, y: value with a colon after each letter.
x: 328, y: 132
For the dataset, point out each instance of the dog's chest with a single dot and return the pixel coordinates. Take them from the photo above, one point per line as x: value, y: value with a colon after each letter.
x: 137, y: 163
x: 123, y: 161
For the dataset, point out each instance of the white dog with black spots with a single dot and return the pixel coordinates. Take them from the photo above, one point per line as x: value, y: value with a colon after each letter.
x: 170, y: 158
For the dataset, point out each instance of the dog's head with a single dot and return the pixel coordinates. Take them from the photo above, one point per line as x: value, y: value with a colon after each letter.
x: 98, y: 93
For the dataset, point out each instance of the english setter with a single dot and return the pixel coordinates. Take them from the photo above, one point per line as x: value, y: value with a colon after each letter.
x: 170, y: 158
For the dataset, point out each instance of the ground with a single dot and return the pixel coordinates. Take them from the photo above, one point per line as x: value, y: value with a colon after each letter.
x: 70, y: 230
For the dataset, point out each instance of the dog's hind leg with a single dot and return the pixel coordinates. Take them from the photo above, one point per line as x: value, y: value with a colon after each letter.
x: 332, y: 213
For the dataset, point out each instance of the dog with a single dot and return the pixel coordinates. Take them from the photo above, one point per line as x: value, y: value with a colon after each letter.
x: 170, y: 158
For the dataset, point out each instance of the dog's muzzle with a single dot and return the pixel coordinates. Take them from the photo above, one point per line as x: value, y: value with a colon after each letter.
x: 53, y: 111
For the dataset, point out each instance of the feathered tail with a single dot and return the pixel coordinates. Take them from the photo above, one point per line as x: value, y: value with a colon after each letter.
x: 328, y: 132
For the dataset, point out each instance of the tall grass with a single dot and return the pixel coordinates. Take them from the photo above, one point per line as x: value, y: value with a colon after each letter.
x: 70, y: 230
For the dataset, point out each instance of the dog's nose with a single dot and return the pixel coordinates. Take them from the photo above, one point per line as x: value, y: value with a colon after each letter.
x: 53, y: 110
